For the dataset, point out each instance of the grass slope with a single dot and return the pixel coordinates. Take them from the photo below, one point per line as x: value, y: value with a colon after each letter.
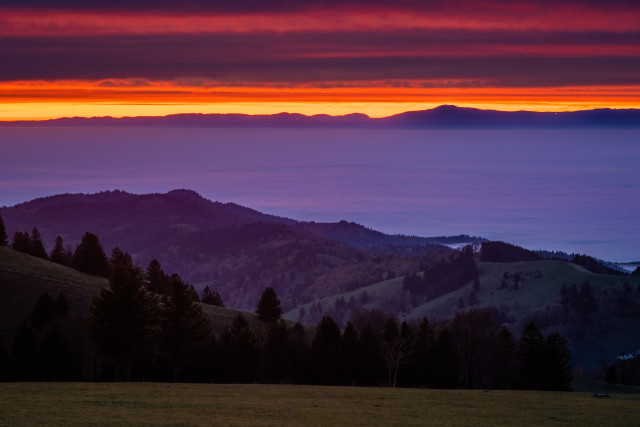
x: 60, y: 404
x: 23, y: 279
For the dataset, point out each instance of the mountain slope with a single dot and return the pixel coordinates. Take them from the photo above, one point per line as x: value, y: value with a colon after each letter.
x: 235, y: 250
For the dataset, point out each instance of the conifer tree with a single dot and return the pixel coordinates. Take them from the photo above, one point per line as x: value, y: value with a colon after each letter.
x: 240, y: 351
x: 268, y: 309
x: 37, y: 247
x: 4, y: 238
x: 123, y: 319
x: 184, y: 330
x: 89, y: 256
x: 155, y: 279
x: 211, y: 298
x: 21, y: 242
x: 61, y: 255
x: 555, y: 359
x: 530, y: 357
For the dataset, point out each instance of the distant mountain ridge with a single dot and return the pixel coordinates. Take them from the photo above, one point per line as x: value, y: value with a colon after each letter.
x: 444, y: 116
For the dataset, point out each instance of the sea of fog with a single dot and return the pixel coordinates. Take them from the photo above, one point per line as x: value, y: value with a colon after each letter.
x: 575, y: 190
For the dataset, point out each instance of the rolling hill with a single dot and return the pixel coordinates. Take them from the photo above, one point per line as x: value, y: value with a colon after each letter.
x: 235, y: 250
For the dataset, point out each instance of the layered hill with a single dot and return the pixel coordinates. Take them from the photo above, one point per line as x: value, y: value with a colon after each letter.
x: 235, y: 250
x: 443, y: 116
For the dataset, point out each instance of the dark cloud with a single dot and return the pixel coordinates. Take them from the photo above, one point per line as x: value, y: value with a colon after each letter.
x: 234, y: 6
x: 314, y: 58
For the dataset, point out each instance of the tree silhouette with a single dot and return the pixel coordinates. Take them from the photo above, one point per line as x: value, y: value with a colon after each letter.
x: 4, y: 239
x: 555, y: 360
x: 21, y: 242
x: 530, y: 357
x: 240, y: 351
x: 211, y: 298
x: 155, y: 279
x: 268, y: 309
x: 60, y: 254
x: 89, y: 257
x: 325, y: 350
x: 183, y: 328
x: 122, y: 319
x: 37, y: 247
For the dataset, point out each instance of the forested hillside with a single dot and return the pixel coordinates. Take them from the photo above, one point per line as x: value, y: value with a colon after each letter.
x: 234, y: 250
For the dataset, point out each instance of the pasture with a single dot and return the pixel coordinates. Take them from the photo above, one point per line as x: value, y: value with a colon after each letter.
x: 67, y: 404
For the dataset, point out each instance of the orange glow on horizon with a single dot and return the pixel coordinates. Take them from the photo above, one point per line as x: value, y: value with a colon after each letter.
x: 50, y: 100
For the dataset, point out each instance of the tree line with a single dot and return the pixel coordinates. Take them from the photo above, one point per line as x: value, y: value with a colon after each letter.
x: 149, y: 326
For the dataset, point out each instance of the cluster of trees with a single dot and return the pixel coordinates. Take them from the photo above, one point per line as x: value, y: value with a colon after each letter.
x: 443, y: 277
x: 505, y: 252
x: 40, y: 350
x: 155, y: 337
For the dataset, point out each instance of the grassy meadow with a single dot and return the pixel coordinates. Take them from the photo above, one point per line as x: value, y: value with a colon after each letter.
x: 57, y: 404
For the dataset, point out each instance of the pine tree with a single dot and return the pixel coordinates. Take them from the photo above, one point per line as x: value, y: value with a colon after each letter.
x: 349, y: 355
x: 277, y: 357
x: 211, y: 298
x: 530, y: 357
x: 268, y: 309
x: 21, y: 242
x: 89, y: 257
x: 184, y: 330
x: 240, y: 351
x: 123, y: 319
x: 37, y: 247
x: 325, y: 350
x: 155, y: 279
x: 60, y: 254
x: 555, y: 363
x: 4, y: 238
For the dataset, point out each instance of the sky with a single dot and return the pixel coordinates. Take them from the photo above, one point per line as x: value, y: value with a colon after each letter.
x: 148, y: 58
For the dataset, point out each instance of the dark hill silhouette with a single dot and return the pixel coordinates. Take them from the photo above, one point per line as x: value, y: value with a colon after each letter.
x: 445, y: 116
x: 235, y: 250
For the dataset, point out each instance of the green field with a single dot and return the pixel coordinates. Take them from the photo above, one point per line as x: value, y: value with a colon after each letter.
x: 84, y: 404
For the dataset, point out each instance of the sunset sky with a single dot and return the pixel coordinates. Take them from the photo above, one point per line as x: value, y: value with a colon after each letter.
x: 137, y: 58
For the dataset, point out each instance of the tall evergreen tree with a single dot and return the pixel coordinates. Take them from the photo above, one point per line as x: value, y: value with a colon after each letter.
x: 60, y: 254
x: 211, y: 298
x: 325, y: 350
x: 37, y: 247
x: 4, y: 238
x: 240, y: 351
x: 300, y: 355
x: 184, y: 330
x: 372, y: 370
x: 155, y: 279
x: 21, y: 242
x: 123, y: 319
x: 277, y: 354
x: 530, y: 357
x: 89, y: 256
x: 555, y: 363
x: 447, y: 372
x: 348, y: 362
x: 268, y: 308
